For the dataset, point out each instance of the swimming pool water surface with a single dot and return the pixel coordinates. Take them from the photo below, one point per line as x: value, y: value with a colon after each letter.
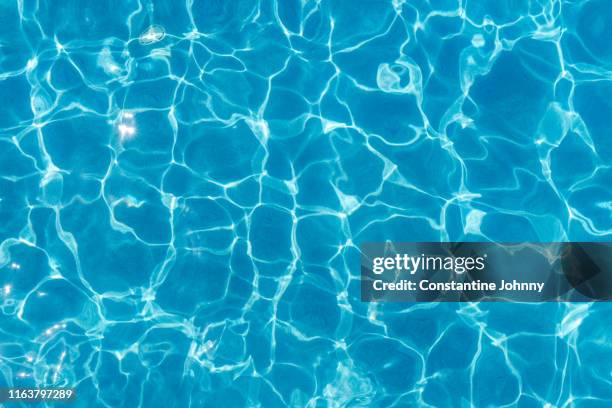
x: 184, y: 187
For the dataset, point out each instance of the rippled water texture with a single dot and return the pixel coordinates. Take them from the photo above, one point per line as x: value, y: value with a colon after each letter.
x: 184, y: 186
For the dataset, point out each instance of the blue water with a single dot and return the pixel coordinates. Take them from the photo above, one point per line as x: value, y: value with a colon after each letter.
x: 184, y: 187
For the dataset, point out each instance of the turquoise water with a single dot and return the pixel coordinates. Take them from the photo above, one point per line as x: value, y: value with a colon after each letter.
x: 184, y: 187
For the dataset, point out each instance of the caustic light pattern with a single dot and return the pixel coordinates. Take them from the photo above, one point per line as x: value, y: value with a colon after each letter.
x: 184, y: 187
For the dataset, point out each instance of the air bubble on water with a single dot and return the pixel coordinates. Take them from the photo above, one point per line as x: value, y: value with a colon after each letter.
x: 393, y: 78
x: 108, y: 63
x: 473, y: 222
x: 40, y: 102
x: 152, y: 35
x: 478, y: 40
x: 126, y: 126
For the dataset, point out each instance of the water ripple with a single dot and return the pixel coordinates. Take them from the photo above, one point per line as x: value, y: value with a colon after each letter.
x: 184, y: 187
